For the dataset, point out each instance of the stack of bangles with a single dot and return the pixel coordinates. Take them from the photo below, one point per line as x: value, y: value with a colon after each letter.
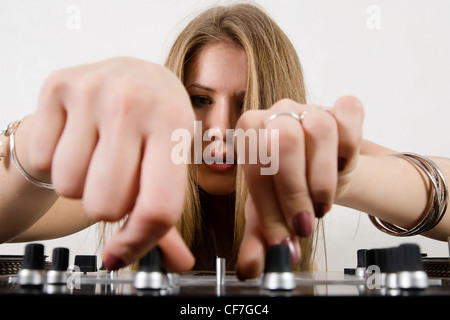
x: 438, y: 199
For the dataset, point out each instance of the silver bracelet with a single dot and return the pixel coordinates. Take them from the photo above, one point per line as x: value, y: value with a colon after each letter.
x: 437, y: 204
x: 9, y: 132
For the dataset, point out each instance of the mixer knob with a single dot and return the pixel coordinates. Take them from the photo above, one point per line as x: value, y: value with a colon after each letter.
x: 57, y: 273
x: 151, y: 275
x: 278, y: 271
x: 411, y: 274
x: 361, y: 263
x: 32, y: 270
x: 392, y: 267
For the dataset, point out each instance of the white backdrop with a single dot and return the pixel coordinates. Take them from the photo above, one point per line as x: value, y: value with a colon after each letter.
x: 392, y: 54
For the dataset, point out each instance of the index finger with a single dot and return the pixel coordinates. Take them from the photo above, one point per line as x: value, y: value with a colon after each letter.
x: 158, y: 206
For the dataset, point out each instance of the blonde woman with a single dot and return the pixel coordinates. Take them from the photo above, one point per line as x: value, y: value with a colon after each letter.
x: 102, y: 135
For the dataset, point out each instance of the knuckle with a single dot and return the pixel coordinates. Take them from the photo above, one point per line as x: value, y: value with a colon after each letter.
x: 52, y: 86
x: 163, y: 215
x: 290, y: 135
x: 320, y: 125
x: 102, y: 210
x: 66, y: 187
x: 349, y: 100
x: 349, y: 105
x: 185, y: 116
x: 247, y: 119
x: 284, y: 104
x: 83, y: 90
x: 300, y: 194
x: 54, y: 78
x: 66, y: 182
x: 39, y: 162
x: 161, y: 219
x: 321, y: 188
x: 126, y: 97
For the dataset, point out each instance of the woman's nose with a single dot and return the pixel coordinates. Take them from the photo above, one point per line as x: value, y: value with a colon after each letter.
x: 219, y: 119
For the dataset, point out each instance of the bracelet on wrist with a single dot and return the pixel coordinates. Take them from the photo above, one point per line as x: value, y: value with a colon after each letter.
x: 10, y: 132
x: 438, y: 199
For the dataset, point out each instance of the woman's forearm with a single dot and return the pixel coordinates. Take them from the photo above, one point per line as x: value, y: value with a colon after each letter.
x: 21, y: 203
x: 394, y: 190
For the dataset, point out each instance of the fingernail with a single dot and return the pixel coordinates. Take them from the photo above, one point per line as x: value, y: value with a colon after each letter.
x: 320, y: 209
x: 113, y: 263
x: 295, y: 255
x: 302, y: 224
x: 342, y: 163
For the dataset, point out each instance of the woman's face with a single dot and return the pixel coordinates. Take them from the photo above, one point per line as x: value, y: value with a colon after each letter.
x: 216, y: 79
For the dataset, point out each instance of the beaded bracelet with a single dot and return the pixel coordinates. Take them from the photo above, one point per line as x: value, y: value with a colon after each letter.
x: 437, y: 204
x: 9, y: 132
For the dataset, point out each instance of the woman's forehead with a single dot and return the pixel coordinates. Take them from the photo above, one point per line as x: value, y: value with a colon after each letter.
x: 218, y: 65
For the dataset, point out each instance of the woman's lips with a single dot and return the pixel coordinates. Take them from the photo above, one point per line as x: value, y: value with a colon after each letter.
x: 220, y: 167
x: 219, y: 163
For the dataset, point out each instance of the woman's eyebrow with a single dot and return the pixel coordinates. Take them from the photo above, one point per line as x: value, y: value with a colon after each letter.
x: 200, y: 86
x: 206, y: 88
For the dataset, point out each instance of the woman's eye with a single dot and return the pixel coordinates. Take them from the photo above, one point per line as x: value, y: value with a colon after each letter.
x: 240, y: 108
x: 200, y: 101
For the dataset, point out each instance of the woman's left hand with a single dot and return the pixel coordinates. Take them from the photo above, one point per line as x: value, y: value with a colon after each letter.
x: 316, y: 151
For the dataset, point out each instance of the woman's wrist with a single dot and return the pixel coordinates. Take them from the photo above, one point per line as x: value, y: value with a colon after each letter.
x: 21, y: 203
x: 437, y: 202
x: 388, y: 188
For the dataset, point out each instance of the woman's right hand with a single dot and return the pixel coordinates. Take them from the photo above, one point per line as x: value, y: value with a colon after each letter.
x: 103, y: 130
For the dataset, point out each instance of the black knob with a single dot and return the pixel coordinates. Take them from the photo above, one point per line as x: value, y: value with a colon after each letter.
x: 151, y: 262
x: 86, y: 263
x: 392, y: 264
x: 380, y: 259
x: 151, y: 275
x: 278, y: 271
x: 60, y: 259
x: 362, y: 258
x: 371, y: 259
x: 32, y: 273
x: 34, y: 257
x: 411, y: 273
x: 278, y: 259
x: 409, y: 257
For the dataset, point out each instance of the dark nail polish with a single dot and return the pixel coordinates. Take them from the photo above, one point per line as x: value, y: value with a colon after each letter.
x: 320, y: 209
x: 302, y: 224
x: 113, y: 263
x: 239, y: 276
x: 342, y: 163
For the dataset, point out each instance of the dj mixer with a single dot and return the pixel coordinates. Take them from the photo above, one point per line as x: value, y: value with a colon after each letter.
x: 382, y: 277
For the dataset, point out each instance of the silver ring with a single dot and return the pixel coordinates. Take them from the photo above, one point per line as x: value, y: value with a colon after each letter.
x: 282, y: 113
x: 294, y: 115
x: 304, y: 113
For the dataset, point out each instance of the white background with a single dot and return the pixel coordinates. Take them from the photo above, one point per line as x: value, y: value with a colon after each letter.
x: 396, y: 62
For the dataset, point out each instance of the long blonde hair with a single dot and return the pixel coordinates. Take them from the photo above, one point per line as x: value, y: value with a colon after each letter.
x: 274, y: 73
